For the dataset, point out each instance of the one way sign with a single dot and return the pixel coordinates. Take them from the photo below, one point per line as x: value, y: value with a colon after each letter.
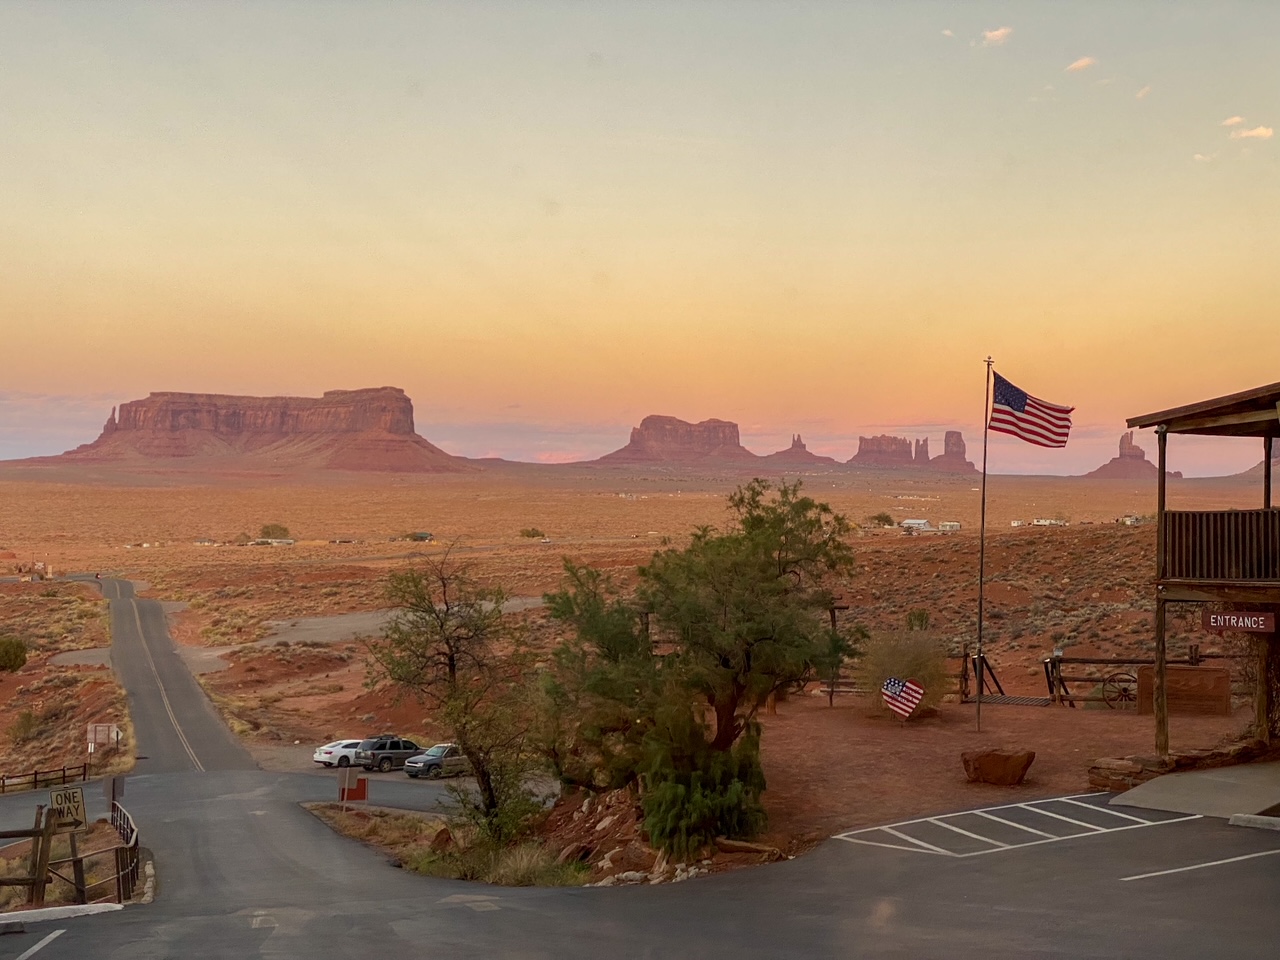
x: 66, y: 804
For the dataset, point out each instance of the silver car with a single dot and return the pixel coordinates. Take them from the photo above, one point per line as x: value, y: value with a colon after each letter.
x: 442, y: 760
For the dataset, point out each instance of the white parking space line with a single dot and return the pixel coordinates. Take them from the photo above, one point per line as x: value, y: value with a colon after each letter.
x: 1058, y: 816
x: 952, y: 826
x: 42, y: 944
x: 1195, y: 866
x: 1008, y: 819
x: 927, y: 846
x: 992, y: 816
x: 1102, y: 809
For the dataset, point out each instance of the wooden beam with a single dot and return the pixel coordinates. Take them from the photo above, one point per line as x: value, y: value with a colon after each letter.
x: 1243, y: 418
x: 1267, y: 395
x: 1228, y: 592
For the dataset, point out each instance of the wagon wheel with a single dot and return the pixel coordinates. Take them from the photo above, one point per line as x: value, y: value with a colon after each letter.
x: 1120, y: 691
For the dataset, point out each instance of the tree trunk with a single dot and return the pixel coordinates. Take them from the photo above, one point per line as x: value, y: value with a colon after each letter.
x: 726, y: 723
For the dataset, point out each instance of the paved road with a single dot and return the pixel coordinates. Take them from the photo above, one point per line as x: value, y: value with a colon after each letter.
x: 245, y: 873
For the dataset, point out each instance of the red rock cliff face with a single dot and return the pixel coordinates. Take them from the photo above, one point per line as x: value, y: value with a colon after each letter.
x: 369, y: 429
x: 952, y: 459
x: 884, y: 451
x: 660, y: 439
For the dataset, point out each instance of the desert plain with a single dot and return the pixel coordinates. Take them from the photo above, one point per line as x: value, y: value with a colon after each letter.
x: 274, y: 631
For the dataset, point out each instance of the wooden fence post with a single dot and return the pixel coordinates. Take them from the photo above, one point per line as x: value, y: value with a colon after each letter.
x: 77, y: 871
x: 40, y: 876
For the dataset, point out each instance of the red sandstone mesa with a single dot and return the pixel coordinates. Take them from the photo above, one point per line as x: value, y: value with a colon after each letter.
x: 667, y: 439
x: 369, y: 429
x: 886, y: 451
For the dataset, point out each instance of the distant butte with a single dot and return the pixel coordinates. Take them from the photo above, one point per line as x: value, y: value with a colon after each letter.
x: 1131, y: 464
x: 799, y: 455
x: 892, y: 452
x: 370, y: 429
x: 670, y: 440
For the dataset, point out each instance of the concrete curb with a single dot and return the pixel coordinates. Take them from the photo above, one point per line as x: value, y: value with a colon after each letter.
x: 1257, y: 821
x: 60, y: 913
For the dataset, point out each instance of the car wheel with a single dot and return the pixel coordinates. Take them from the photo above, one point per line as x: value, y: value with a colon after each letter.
x: 436, y: 773
x: 385, y: 764
x: 342, y: 762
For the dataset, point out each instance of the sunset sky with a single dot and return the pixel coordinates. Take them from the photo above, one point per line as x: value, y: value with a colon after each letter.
x: 546, y: 220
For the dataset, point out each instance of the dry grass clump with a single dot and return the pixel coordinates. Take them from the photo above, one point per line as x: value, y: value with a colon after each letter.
x: 464, y: 856
x: 15, y: 861
x: 908, y: 655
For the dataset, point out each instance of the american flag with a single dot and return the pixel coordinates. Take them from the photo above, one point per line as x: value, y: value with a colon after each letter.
x: 1016, y: 412
x: 901, y: 696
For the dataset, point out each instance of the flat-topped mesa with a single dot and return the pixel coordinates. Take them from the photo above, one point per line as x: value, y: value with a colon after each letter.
x: 1131, y: 464
x: 368, y: 429
x: 668, y: 439
x: 799, y: 455
x: 952, y: 459
x: 883, y: 451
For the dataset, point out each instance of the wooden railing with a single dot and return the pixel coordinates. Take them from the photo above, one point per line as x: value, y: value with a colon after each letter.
x: 43, y: 778
x: 1228, y: 545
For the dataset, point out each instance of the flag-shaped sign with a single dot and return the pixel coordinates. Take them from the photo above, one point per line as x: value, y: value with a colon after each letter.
x: 1019, y: 414
x: 901, y: 696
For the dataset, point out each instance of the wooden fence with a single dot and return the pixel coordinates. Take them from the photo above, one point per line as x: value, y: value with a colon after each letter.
x: 54, y: 777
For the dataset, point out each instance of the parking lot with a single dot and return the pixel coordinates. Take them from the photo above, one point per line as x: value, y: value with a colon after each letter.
x: 1011, y: 826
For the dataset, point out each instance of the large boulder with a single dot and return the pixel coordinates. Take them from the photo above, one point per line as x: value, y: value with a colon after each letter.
x: 1004, y: 769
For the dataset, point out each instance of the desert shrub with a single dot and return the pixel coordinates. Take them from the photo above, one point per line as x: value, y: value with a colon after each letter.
x: 13, y: 654
x: 522, y: 865
x: 24, y: 727
x: 694, y: 794
x: 910, y: 655
x: 533, y: 533
x: 880, y: 520
x: 918, y: 619
x: 274, y: 531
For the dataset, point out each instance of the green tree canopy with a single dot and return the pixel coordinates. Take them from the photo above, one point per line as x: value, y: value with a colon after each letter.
x: 746, y: 609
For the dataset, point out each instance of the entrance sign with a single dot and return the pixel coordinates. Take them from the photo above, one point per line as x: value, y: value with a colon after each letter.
x: 1219, y: 620
x: 66, y: 804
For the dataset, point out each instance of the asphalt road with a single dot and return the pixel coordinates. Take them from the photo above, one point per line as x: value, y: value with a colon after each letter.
x: 244, y: 872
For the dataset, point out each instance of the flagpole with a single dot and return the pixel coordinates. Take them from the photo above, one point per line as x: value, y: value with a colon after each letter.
x: 982, y: 535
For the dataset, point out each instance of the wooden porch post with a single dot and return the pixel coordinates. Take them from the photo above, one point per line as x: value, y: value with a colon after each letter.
x: 1266, y: 473
x: 1160, y: 693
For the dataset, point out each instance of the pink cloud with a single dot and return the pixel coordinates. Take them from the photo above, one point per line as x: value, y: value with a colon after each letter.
x: 1257, y: 133
x: 994, y: 38
x: 1084, y: 63
x: 1232, y: 121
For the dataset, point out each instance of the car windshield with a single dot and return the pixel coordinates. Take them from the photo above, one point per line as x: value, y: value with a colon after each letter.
x: 350, y: 744
x: 437, y: 751
x: 367, y: 744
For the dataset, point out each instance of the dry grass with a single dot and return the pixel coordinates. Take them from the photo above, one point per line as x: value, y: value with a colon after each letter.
x: 407, y: 837
x: 15, y: 861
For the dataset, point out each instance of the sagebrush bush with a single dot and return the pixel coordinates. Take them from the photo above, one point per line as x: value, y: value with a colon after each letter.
x: 13, y: 654
x: 908, y: 655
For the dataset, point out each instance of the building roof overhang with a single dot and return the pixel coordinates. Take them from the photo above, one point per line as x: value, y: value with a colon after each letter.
x: 1250, y: 413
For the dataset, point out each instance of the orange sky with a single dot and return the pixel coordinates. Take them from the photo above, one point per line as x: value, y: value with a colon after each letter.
x: 560, y: 217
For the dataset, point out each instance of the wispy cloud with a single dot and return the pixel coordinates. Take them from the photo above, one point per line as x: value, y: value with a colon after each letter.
x: 1201, y: 158
x: 1142, y: 94
x: 1232, y: 121
x: 947, y: 33
x: 994, y: 38
x: 1256, y: 133
x: 1084, y: 63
